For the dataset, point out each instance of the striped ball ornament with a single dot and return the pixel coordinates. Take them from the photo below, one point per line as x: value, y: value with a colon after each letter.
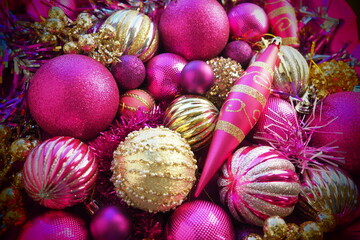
x: 258, y: 182
x: 134, y: 100
x: 153, y: 169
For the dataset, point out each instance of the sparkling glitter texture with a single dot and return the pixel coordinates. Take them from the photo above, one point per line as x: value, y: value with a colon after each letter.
x: 199, y: 220
x: 258, y: 182
x: 153, y: 169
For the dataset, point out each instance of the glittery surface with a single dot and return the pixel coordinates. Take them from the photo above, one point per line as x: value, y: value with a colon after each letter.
x: 60, y: 172
x: 239, y: 51
x: 153, y: 169
x: 196, y: 30
x: 258, y: 182
x: 73, y: 95
x: 248, y: 20
x: 275, y: 228
x: 311, y: 231
x: 163, y: 74
x: 55, y: 225
x: 199, y: 220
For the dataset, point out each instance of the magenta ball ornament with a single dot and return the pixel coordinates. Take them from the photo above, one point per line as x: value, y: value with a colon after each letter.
x: 129, y: 73
x: 55, y: 225
x: 197, y: 77
x: 196, y: 30
x: 163, y: 75
x: 248, y: 21
x: 239, y: 51
x: 73, y: 95
x: 199, y: 220
x: 111, y: 223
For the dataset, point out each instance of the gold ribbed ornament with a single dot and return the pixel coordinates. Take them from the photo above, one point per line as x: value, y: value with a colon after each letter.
x: 135, y: 32
x: 153, y: 169
x: 194, y: 117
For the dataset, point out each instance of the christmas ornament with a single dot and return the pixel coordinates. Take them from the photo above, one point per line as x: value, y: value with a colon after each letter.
x: 239, y: 51
x: 135, y: 32
x: 153, y: 169
x: 275, y: 228
x: 339, y: 114
x: 240, y: 111
x: 78, y: 86
x: 310, y: 231
x: 194, y: 117
x: 55, y: 225
x: 248, y: 21
x: 111, y: 222
x: 36, y: 9
x: 196, y: 30
x: 328, y: 188
x: 163, y: 74
x: 199, y: 220
x: 293, y: 232
x: 226, y: 72
x: 133, y: 100
x: 282, y: 18
x: 252, y: 236
x: 60, y: 172
x: 258, y: 182
x: 197, y: 77
x: 332, y: 76
x: 129, y: 73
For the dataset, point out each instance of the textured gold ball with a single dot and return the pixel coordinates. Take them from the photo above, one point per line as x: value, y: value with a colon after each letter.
x: 326, y: 221
x: 252, y: 236
x: 293, y: 232
x: 275, y: 228
x: 20, y: 148
x: 310, y: 231
x: 84, y: 21
x: 87, y: 42
x: 153, y: 169
x: 71, y: 47
x: 226, y: 72
x: 54, y: 25
x: 58, y: 13
x: 5, y: 134
x: 194, y: 117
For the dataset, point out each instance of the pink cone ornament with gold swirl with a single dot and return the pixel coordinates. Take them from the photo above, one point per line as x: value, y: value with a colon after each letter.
x: 60, y: 172
x: 240, y: 111
x: 283, y: 21
x: 258, y: 182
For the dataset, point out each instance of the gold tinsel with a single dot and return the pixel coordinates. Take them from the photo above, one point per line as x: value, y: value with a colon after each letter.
x: 331, y: 77
x: 226, y: 72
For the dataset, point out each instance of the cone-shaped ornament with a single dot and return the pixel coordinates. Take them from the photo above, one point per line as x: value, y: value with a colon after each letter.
x: 240, y: 111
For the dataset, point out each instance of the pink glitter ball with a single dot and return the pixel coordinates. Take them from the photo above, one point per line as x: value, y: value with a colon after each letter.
x: 163, y: 74
x: 55, y: 225
x: 73, y: 95
x: 239, y: 51
x: 248, y: 20
x: 199, y: 220
x: 196, y: 30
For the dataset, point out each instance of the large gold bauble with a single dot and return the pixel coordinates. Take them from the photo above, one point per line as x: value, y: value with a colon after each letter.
x: 137, y: 34
x: 153, y: 169
x: 194, y: 117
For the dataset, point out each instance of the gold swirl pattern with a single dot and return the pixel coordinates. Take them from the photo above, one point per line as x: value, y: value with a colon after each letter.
x: 279, y: 11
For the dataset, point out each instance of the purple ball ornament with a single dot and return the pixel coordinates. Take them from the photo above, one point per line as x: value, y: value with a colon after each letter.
x: 197, y: 77
x: 111, y: 223
x: 239, y: 51
x: 163, y: 74
x: 129, y: 73
x: 248, y: 21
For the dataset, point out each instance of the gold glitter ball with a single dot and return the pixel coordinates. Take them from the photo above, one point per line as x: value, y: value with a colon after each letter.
x: 153, y: 169
x: 275, y: 228
x: 226, y: 72
x: 311, y: 231
x: 333, y: 76
x: 326, y: 220
x: 20, y: 148
x: 293, y: 232
x: 252, y: 236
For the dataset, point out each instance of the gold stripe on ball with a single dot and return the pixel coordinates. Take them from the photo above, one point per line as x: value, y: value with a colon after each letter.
x: 262, y: 65
x: 251, y: 92
x: 137, y: 97
x: 230, y: 129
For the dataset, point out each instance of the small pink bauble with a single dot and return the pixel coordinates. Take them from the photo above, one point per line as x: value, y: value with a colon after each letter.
x: 73, y: 95
x: 163, y: 74
x: 344, y: 131
x: 135, y: 99
x: 40, y: 8
x: 55, y: 225
x: 197, y: 77
x: 199, y: 220
x: 129, y: 73
x: 60, y: 172
x: 239, y: 51
x: 111, y: 223
x: 248, y: 21
x: 196, y: 30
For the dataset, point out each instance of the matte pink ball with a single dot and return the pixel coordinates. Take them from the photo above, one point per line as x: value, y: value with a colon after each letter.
x: 163, y: 74
x: 239, y: 51
x: 73, y: 95
x: 197, y: 77
x: 199, y: 220
x: 248, y: 20
x: 40, y: 8
x: 129, y: 73
x: 196, y: 30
